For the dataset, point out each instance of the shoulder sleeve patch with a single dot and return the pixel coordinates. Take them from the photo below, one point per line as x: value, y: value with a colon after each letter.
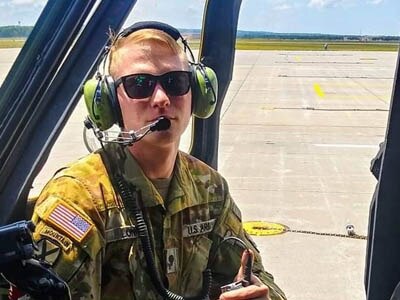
x: 54, y: 235
x: 69, y: 221
x: 48, y: 251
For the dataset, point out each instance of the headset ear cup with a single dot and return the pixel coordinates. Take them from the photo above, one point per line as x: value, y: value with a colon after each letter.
x: 204, y: 91
x: 112, y: 95
x: 98, y: 103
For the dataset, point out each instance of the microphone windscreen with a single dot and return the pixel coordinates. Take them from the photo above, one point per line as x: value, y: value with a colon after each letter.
x: 162, y: 124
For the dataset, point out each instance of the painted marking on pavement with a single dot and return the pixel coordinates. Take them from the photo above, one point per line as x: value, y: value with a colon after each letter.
x: 318, y: 90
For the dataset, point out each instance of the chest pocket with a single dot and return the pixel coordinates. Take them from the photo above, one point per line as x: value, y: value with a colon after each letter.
x: 195, y: 258
x: 197, y: 223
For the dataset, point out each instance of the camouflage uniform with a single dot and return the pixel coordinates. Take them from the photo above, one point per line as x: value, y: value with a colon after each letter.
x: 97, y: 250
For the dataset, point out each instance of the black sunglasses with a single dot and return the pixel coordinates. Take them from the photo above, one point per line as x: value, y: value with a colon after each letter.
x: 140, y: 86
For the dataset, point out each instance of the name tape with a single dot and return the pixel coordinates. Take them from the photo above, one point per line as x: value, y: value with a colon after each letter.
x: 198, y: 228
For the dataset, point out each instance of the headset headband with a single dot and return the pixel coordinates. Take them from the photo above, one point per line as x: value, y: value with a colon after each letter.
x: 168, y: 29
x: 100, y: 93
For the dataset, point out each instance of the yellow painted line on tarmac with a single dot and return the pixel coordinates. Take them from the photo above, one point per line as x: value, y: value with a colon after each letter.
x: 297, y: 58
x: 318, y: 90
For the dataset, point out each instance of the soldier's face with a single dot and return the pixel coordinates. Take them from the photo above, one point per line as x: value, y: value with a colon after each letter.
x: 155, y: 59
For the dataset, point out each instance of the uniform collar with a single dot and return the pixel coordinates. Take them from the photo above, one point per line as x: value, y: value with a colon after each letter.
x: 119, y: 160
x: 183, y: 191
x: 135, y: 175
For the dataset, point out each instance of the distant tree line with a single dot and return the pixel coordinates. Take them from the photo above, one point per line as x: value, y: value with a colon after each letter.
x: 195, y: 33
x: 24, y: 31
x: 314, y: 36
x: 15, y: 31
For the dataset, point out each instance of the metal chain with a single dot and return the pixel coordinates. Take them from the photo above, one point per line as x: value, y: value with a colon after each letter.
x: 350, y: 234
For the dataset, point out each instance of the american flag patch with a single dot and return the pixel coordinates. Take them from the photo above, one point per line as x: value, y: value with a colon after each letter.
x: 70, y: 222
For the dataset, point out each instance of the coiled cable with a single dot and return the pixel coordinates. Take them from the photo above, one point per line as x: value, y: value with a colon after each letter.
x: 130, y: 197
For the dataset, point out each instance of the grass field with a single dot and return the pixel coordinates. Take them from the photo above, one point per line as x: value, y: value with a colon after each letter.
x: 266, y: 44
x: 11, y: 43
x: 262, y: 44
x: 308, y: 45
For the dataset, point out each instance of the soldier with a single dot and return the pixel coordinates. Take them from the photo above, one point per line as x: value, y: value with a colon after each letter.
x: 88, y: 213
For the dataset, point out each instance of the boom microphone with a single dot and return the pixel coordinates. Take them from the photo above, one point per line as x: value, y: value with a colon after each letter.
x: 127, y: 138
x: 161, y: 124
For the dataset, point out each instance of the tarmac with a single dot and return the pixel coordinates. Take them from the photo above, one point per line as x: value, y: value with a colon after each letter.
x: 298, y: 132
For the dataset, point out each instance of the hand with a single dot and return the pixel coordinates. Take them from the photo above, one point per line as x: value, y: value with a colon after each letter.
x: 257, y: 290
x: 36, y: 279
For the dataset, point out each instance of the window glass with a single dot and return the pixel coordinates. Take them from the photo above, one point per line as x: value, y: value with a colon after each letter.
x: 306, y: 111
x: 17, y: 18
x: 75, y: 139
x: 304, y: 114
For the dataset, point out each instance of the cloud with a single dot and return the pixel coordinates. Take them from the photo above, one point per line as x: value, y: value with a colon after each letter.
x: 22, y: 2
x: 283, y: 6
x: 195, y: 8
x: 375, y: 2
x: 322, y: 3
x: 25, y: 12
x: 31, y: 3
x: 332, y: 3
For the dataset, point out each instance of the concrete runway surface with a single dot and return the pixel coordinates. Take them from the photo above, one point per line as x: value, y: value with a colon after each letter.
x: 298, y: 132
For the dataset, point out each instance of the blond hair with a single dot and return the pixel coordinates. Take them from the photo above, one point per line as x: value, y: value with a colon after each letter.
x: 142, y: 36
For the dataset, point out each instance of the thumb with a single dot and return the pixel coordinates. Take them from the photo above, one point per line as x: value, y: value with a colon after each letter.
x: 246, y: 265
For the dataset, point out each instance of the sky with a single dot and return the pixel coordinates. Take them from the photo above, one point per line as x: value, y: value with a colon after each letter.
x: 365, y: 17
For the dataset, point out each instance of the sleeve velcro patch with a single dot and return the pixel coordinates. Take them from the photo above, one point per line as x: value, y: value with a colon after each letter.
x: 236, y: 211
x: 68, y: 220
x: 54, y: 235
x: 47, y: 251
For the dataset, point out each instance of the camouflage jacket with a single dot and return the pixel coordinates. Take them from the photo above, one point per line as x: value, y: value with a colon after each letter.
x: 85, y: 232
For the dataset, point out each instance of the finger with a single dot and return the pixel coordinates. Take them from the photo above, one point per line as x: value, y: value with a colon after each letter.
x: 255, y: 280
x: 244, y: 264
x: 248, y: 265
x: 245, y: 271
x: 250, y: 292
x: 245, y: 254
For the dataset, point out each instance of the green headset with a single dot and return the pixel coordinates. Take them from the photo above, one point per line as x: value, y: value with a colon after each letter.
x: 101, y: 97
